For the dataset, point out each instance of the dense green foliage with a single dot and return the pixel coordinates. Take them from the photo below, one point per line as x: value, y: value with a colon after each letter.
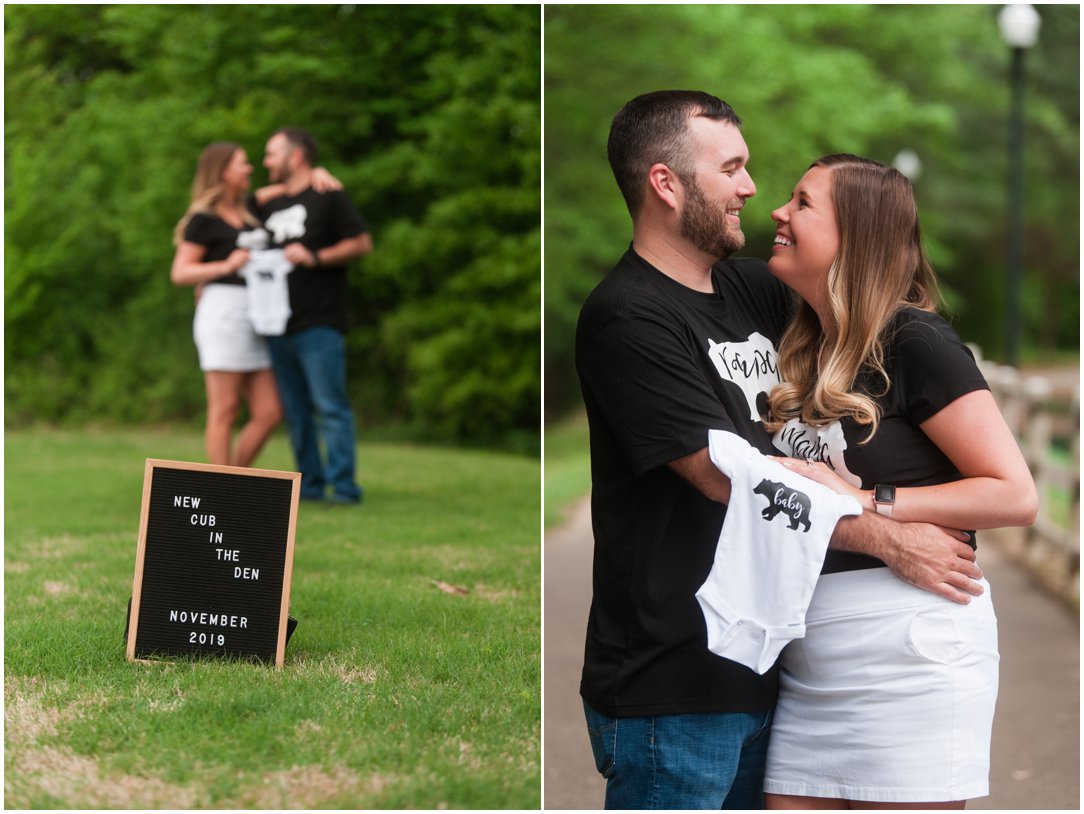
x: 396, y: 691
x: 817, y: 79
x: 429, y: 114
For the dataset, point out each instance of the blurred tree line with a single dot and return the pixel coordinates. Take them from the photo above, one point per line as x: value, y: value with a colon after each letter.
x: 430, y: 115
x: 817, y: 79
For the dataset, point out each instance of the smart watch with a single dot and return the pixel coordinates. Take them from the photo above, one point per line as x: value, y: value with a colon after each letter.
x: 884, y: 498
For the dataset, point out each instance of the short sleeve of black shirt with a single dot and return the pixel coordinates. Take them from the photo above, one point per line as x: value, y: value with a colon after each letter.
x: 932, y: 364
x: 219, y: 238
x: 334, y: 218
x: 659, y: 413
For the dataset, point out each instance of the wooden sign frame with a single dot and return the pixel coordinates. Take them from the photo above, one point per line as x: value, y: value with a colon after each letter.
x: 180, y: 528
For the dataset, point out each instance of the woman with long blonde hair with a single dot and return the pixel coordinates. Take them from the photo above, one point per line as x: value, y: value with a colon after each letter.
x: 213, y: 241
x: 236, y: 365
x: 888, y: 701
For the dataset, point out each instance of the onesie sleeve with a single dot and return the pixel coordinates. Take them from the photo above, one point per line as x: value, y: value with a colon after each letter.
x: 932, y: 365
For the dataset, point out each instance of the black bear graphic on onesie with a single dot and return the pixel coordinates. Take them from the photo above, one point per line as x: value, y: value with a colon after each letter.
x: 781, y: 498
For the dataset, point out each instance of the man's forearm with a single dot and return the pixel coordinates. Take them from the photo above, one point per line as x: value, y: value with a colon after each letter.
x: 346, y: 250
x: 865, y: 533
x: 927, y: 556
x: 699, y: 470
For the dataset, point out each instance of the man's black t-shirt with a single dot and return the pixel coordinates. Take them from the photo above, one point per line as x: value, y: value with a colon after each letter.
x: 318, y: 296
x: 929, y: 367
x: 660, y: 365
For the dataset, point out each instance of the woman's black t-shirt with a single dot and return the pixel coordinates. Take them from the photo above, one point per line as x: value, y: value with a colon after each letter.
x: 218, y: 237
x: 929, y: 367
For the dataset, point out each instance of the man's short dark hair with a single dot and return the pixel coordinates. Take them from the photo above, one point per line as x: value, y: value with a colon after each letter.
x: 302, y: 139
x: 653, y: 129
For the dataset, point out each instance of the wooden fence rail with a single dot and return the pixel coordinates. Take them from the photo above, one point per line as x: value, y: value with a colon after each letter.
x: 1044, y: 414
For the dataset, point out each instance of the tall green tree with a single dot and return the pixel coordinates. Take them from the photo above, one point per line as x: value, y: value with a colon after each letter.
x: 430, y: 116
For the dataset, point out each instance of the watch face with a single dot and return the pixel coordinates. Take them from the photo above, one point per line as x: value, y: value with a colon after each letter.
x: 884, y: 494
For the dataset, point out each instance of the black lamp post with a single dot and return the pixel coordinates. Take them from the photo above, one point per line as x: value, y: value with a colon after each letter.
x: 1019, y: 23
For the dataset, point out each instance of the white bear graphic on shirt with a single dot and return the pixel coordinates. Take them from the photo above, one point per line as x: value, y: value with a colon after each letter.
x: 752, y: 365
x: 287, y: 224
x: 826, y: 444
x: 252, y: 239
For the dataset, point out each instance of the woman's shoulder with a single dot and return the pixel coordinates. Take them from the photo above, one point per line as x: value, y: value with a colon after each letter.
x: 203, y: 225
x: 926, y: 338
x: 931, y: 365
x: 205, y: 218
x: 911, y: 323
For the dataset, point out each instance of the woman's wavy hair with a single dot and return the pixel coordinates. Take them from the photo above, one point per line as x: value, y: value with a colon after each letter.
x: 880, y: 267
x: 207, y: 186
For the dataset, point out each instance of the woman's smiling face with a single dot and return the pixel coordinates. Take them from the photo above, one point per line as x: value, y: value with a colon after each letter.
x: 807, y: 234
x: 237, y: 172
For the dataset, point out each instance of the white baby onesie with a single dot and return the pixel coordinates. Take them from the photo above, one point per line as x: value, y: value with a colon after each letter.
x: 268, y: 292
x: 769, y: 554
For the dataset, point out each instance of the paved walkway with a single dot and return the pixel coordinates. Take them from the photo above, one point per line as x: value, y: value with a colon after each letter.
x: 1036, y: 743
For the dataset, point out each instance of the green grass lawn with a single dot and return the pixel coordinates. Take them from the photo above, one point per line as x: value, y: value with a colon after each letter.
x: 394, y: 694
x: 567, y: 468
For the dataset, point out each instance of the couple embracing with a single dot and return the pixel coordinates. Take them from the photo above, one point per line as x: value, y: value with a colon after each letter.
x: 271, y: 316
x: 835, y: 646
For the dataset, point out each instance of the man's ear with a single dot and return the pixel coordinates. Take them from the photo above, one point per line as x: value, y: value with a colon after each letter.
x: 663, y: 183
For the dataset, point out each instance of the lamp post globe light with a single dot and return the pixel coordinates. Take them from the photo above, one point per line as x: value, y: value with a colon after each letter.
x: 908, y: 163
x: 1019, y: 24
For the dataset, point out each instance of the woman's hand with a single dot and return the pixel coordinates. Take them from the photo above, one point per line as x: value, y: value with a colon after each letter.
x: 826, y: 476
x: 237, y: 259
x: 189, y: 267
x: 323, y: 181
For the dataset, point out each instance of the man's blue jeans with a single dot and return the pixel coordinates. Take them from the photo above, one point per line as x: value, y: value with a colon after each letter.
x: 310, y: 369
x: 701, y: 761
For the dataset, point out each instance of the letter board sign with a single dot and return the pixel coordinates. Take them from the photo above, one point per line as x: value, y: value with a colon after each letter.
x: 213, y: 562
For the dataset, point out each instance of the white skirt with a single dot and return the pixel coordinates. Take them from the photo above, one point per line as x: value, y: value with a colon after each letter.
x: 889, y: 697
x: 223, y: 331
